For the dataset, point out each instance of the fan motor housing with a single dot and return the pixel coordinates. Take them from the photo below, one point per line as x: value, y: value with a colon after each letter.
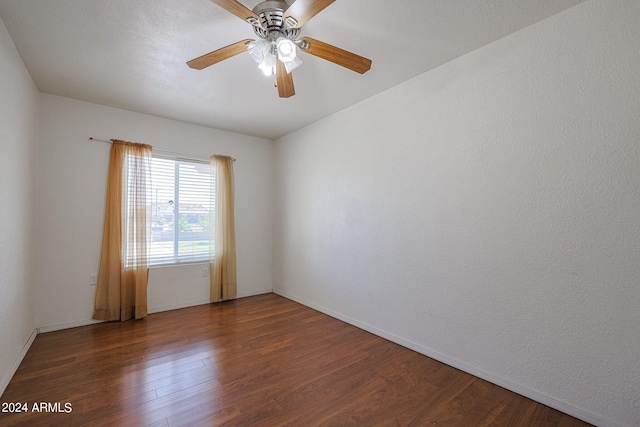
x: 272, y: 24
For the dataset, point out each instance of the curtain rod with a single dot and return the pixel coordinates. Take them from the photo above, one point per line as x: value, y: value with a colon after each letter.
x: 155, y: 149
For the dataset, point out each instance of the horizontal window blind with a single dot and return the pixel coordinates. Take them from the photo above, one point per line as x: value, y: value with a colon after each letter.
x: 182, y: 205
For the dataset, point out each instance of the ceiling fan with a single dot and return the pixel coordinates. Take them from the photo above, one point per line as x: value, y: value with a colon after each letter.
x: 278, y: 27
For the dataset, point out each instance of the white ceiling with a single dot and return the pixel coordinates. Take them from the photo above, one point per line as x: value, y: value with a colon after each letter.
x: 131, y: 54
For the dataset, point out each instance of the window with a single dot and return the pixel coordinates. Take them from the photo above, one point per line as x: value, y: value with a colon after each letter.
x: 182, y: 202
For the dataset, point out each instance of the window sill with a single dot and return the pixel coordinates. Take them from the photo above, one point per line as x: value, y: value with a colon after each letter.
x: 179, y: 264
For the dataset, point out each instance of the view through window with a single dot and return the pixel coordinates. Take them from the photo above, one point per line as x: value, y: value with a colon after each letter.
x: 182, y: 201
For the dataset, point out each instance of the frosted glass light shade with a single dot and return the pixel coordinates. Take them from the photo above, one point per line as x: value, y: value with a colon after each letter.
x: 258, y: 50
x: 286, y: 49
x: 293, y: 64
x: 288, y: 54
x: 268, y: 64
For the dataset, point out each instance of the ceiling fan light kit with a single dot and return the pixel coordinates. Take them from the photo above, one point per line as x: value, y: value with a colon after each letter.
x: 266, y: 52
x: 276, y: 52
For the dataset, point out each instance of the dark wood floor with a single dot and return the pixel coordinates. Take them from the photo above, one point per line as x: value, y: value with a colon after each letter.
x: 263, y: 361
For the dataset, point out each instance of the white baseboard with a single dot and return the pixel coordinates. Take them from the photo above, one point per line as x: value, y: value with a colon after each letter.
x: 87, y: 322
x: 473, y: 370
x: 16, y: 363
x: 68, y: 325
x: 177, y: 306
x: 203, y: 302
x: 254, y: 293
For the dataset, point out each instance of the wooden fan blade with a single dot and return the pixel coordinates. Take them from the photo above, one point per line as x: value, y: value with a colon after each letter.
x: 338, y: 56
x: 219, y: 55
x: 303, y: 10
x: 284, y: 81
x: 237, y: 9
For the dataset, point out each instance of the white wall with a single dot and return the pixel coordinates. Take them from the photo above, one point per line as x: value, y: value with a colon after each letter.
x: 487, y: 212
x: 18, y: 163
x: 71, y: 199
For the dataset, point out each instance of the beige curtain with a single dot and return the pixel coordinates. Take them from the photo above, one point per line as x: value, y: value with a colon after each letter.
x: 121, y: 293
x: 222, y: 244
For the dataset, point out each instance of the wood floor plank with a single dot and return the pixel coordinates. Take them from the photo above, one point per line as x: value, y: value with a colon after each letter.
x: 260, y: 361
